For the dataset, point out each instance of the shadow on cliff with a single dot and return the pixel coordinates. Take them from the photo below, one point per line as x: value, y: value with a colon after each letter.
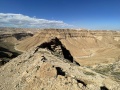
x: 6, y: 55
x: 55, y: 42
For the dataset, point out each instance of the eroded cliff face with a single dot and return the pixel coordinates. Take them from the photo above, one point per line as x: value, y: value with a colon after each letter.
x: 82, y: 44
x: 83, y: 38
x: 42, y: 68
x: 8, y: 38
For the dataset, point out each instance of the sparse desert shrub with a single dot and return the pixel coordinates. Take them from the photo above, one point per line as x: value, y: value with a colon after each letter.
x: 88, y: 73
x: 116, y: 75
x: 104, y: 70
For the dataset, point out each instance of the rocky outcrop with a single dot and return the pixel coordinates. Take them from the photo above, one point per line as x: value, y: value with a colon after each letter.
x: 41, y: 69
x: 58, y: 49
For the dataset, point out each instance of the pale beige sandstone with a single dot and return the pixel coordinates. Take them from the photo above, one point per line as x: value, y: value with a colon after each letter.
x: 28, y: 72
x: 85, y: 46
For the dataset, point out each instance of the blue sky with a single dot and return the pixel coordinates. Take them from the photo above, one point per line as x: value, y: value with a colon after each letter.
x: 90, y: 14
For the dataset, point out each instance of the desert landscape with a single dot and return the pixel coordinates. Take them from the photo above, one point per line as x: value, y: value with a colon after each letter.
x: 59, y: 44
x: 59, y: 59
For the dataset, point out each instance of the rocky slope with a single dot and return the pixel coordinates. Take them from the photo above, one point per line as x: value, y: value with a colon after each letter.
x: 8, y: 38
x: 84, y: 45
x: 48, y: 67
x: 112, y: 70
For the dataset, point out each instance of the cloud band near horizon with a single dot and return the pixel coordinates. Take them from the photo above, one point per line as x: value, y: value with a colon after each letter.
x: 23, y: 21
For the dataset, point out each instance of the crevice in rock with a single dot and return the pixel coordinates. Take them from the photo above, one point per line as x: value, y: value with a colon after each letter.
x: 60, y: 71
x: 103, y: 88
x: 79, y: 81
x: 76, y: 63
x: 44, y: 59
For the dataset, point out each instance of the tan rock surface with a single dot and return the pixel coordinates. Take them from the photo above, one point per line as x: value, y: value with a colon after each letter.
x: 86, y: 47
x: 41, y: 69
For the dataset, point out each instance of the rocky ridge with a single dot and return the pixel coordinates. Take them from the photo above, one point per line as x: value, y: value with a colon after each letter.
x: 46, y: 67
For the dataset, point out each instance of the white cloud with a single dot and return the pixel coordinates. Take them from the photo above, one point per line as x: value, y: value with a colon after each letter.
x: 19, y: 20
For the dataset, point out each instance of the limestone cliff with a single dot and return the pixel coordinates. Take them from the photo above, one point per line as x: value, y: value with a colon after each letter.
x: 82, y: 44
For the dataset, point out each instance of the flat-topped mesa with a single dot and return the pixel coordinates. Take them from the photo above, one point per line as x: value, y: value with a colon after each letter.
x: 90, y: 38
x: 80, y: 43
x: 69, y: 33
x: 46, y: 34
x: 63, y: 33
